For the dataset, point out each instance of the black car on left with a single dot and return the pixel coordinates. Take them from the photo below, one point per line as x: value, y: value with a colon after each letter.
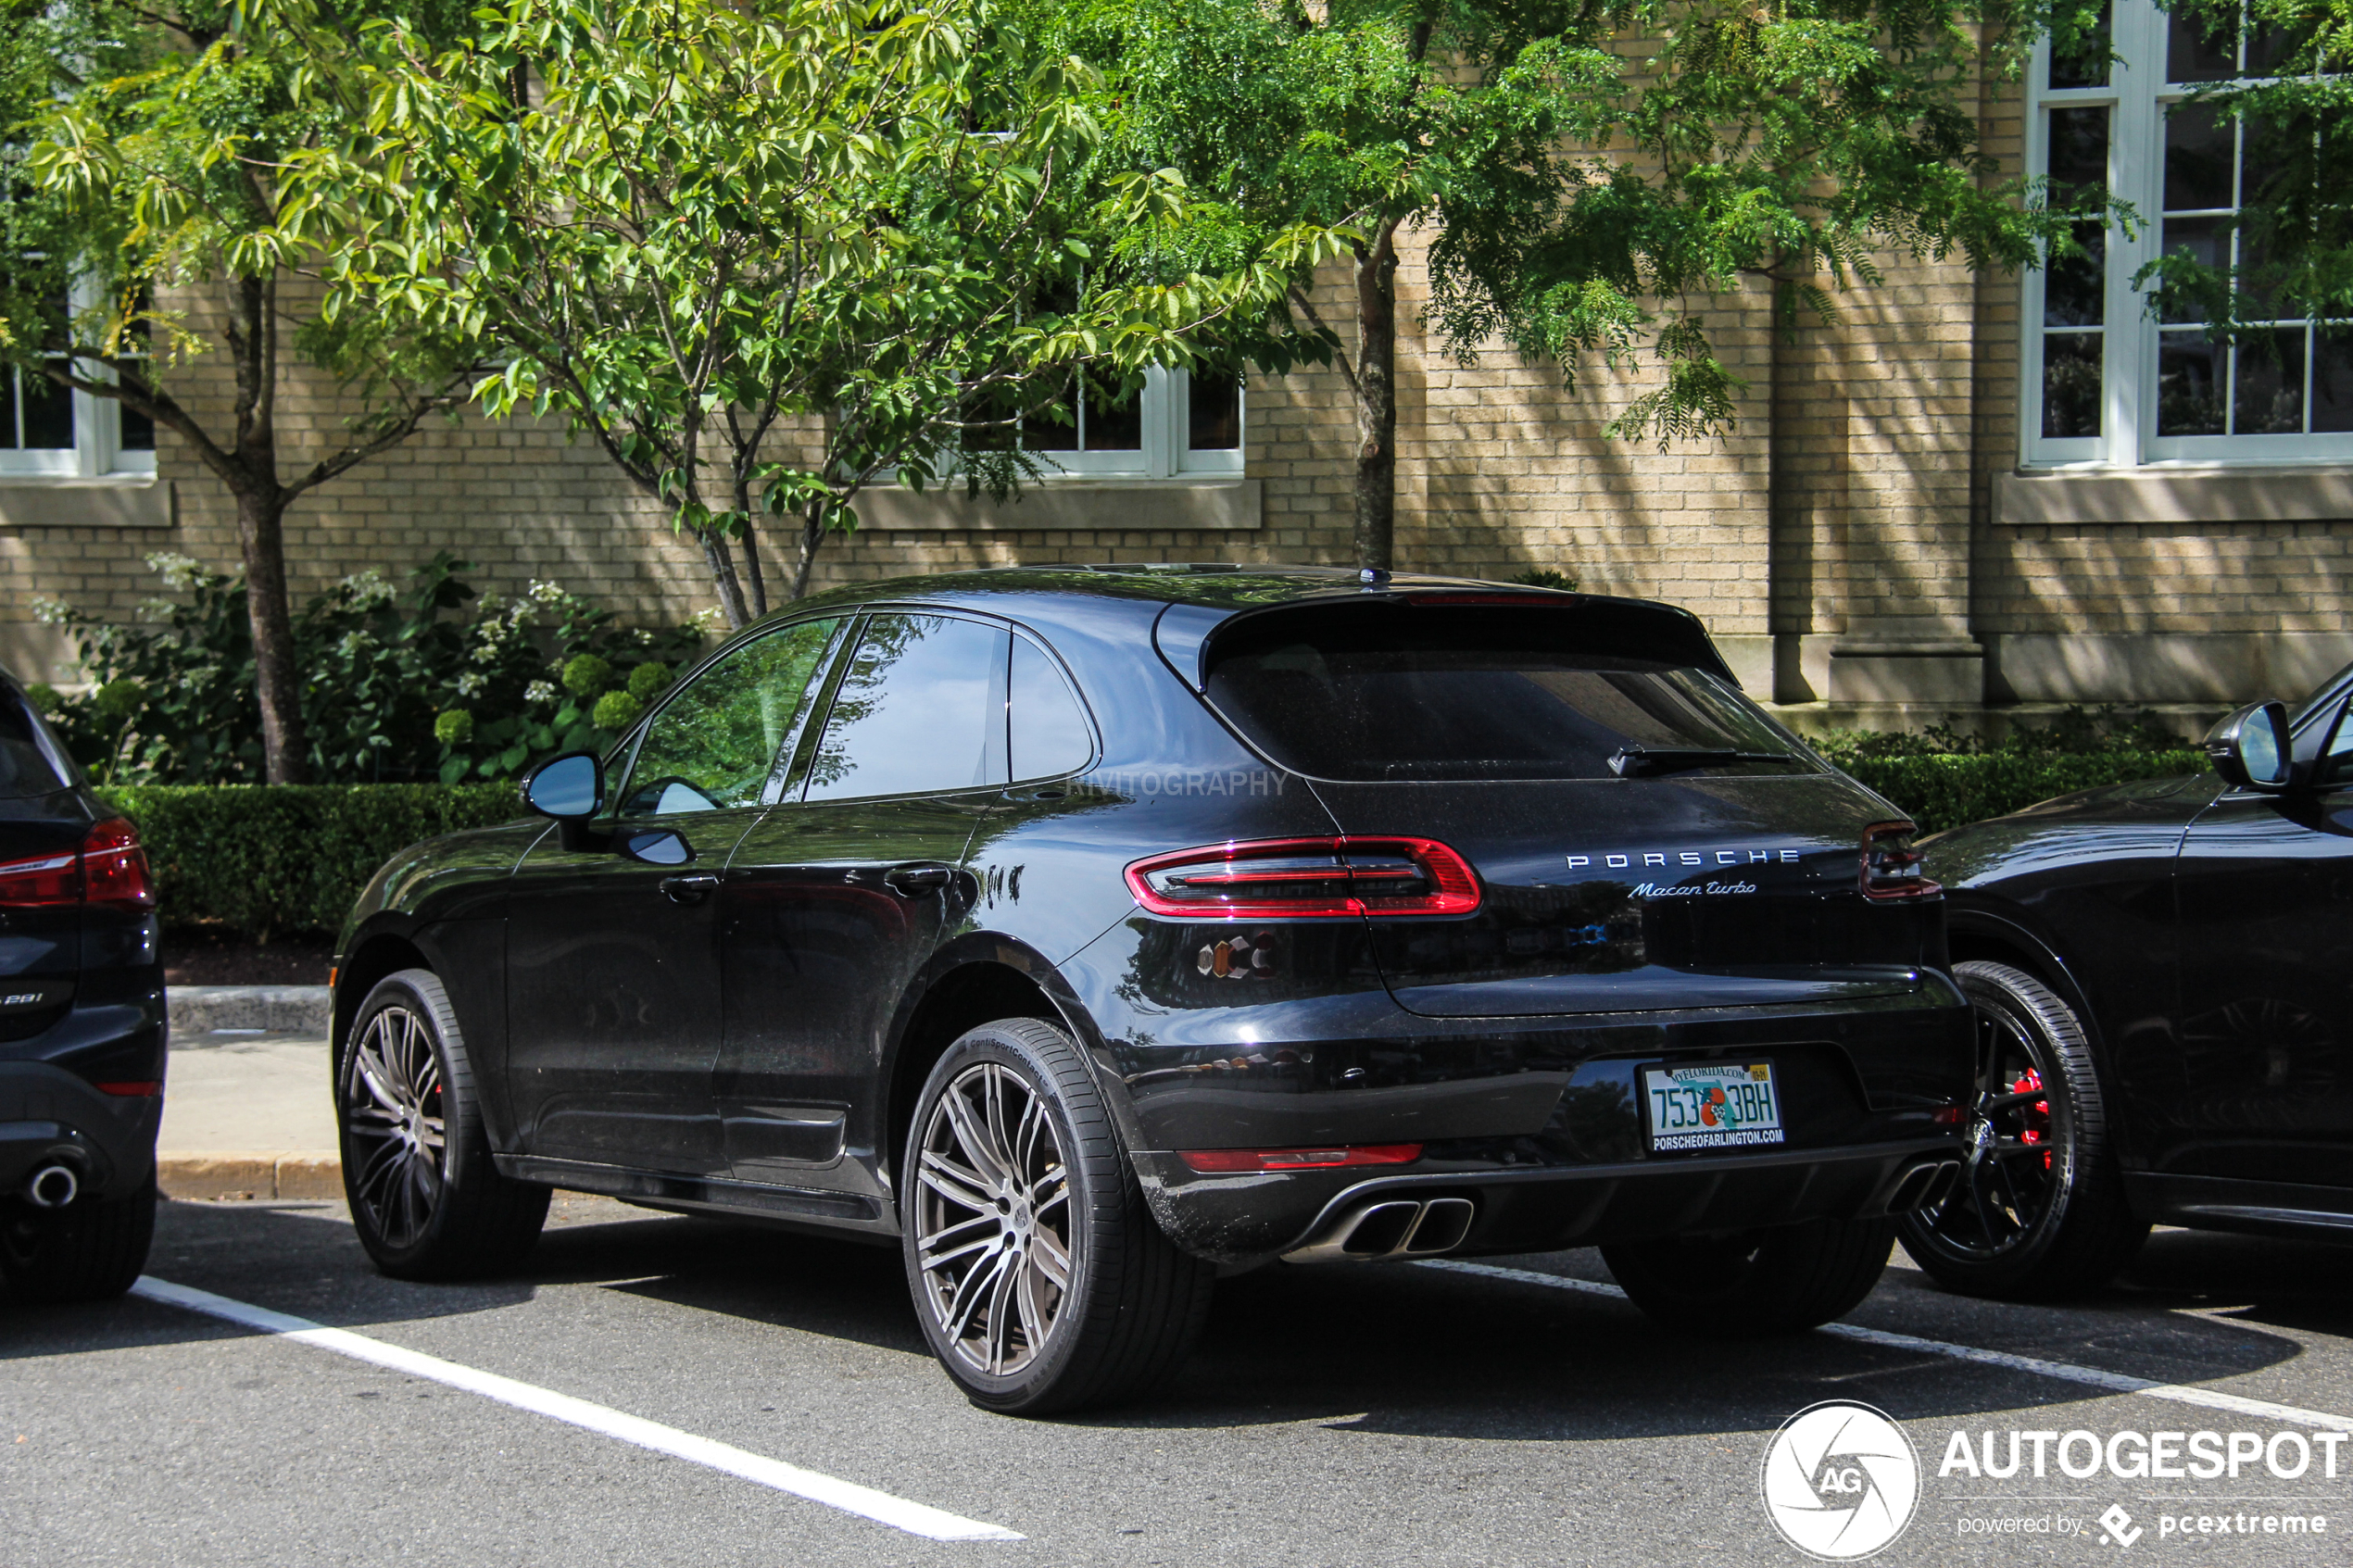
x: 2163, y: 972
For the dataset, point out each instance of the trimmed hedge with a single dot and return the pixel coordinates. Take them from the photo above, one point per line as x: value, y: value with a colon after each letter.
x: 1940, y: 792
x: 277, y: 859
x: 289, y: 859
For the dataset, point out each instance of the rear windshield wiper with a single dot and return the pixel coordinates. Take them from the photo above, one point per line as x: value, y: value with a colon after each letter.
x: 1641, y: 762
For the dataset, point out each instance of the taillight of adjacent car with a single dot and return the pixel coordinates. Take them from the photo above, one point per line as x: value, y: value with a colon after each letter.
x: 110, y: 870
x: 1892, y: 868
x: 1307, y: 879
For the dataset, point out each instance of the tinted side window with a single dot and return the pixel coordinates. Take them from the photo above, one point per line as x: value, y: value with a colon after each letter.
x: 1050, y: 732
x: 920, y: 710
x: 30, y: 760
x: 716, y: 742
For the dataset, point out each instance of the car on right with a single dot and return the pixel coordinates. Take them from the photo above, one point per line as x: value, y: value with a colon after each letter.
x: 2163, y: 977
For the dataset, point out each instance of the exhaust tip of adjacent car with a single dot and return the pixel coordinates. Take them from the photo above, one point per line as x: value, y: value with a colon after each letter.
x: 1397, y: 1227
x: 52, y: 1187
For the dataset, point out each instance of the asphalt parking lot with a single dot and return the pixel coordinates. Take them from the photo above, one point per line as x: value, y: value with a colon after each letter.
x: 1398, y: 1414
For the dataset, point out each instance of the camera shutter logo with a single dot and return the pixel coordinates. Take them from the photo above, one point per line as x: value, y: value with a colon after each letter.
x: 1841, y: 1480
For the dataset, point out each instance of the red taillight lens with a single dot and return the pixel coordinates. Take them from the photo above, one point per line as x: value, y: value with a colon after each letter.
x: 1219, y: 1162
x: 114, y: 868
x: 109, y: 868
x: 1892, y: 868
x: 40, y: 882
x: 1307, y: 879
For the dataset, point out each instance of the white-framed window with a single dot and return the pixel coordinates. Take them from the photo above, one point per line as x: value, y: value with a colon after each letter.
x: 2104, y: 383
x: 48, y: 431
x: 1180, y: 425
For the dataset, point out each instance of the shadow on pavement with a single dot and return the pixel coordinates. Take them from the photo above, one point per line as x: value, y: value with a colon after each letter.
x: 1378, y: 1349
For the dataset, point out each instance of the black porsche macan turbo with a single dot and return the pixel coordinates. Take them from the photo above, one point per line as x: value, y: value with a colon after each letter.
x: 1084, y: 932
x: 2164, y: 971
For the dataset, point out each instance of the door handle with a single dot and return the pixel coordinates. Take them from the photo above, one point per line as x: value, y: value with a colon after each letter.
x: 691, y: 888
x: 914, y: 882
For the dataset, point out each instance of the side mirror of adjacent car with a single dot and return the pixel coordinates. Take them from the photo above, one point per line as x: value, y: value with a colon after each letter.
x: 658, y: 847
x: 2251, y: 749
x: 570, y: 788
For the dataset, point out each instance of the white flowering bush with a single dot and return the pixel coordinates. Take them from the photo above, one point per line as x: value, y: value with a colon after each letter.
x: 431, y: 680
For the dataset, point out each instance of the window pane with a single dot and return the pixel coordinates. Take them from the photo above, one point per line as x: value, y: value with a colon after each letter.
x: 2266, y: 46
x: 2079, y: 153
x: 138, y: 431
x: 2332, y: 381
x: 49, y: 413
x: 2192, y: 55
x: 2206, y: 240
x: 1050, y: 732
x: 2198, y: 156
x: 2071, y: 398
x: 2189, y: 385
x: 8, y: 408
x: 717, y: 740
x: 1053, y: 432
x: 1215, y: 405
x: 1113, y: 424
x: 2074, y: 292
x: 2269, y: 388
x: 913, y: 714
x: 2087, y: 64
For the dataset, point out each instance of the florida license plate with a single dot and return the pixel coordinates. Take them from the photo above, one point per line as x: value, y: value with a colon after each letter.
x: 1712, y: 1107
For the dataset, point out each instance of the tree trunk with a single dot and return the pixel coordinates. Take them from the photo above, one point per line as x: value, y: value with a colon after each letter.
x: 1789, y: 520
x: 1377, y: 399
x: 753, y: 573
x: 723, y: 576
x: 813, y: 533
x: 285, y: 744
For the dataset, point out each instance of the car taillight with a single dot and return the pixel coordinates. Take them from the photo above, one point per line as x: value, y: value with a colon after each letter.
x: 1307, y: 879
x: 1219, y: 1162
x: 1892, y: 868
x: 109, y: 868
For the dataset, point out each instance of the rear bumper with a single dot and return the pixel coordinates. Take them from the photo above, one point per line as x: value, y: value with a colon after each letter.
x: 48, y: 1115
x: 1248, y: 1218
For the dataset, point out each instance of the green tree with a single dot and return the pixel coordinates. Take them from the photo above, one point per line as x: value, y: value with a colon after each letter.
x: 1594, y: 177
x: 2295, y: 223
x: 764, y: 257
x: 145, y: 147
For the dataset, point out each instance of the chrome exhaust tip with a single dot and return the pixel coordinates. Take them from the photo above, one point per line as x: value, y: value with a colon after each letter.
x: 52, y: 1187
x: 1401, y: 1227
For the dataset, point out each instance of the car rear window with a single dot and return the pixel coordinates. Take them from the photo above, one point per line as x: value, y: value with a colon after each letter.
x: 31, y: 762
x: 1382, y: 691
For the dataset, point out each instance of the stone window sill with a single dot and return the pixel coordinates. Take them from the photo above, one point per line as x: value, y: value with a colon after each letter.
x: 1074, y: 502
x: 2279, y: 493
x: 110, y: 501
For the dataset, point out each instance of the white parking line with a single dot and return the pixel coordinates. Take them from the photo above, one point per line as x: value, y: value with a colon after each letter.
x: 864, y: 1501
x: 2112, y: 1381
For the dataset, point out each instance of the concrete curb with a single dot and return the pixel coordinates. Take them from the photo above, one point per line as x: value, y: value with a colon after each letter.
x: 297, y: 1009
x: 261, y: 1174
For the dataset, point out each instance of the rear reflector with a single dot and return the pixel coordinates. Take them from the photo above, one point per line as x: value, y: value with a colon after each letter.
x: 134, y: 1090
x: 1214, y: 1162
x: 1307, y: 879
x: 1892, y: 868
x: 109, y: 869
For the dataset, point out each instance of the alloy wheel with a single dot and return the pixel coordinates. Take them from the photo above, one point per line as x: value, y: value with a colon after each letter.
x: 993, y: 1240
x: 2014, y: 1145
x: 392, y: 1104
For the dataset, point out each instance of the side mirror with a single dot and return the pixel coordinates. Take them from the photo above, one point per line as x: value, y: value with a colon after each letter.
x: 2251, y: 749
x: 568, y: 788
x: 658, y: 847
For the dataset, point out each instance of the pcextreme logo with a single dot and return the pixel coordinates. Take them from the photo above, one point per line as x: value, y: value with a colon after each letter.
x: 1840, y: 1480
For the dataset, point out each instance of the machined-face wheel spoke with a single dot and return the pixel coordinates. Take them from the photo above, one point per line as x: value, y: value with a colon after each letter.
x: 992, y: 1219
x: 391, y: 1112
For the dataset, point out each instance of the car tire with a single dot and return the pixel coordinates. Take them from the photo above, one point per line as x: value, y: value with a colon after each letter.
x: 1751, y: 1284
x: 2040, y: 1213
x: 425, y: 1196
x: 90, y: 1250
x: 1014, y: 1174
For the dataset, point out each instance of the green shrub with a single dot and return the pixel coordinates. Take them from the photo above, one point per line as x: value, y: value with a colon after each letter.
x: 1945, y: 791
x: 1544, y: 577
x: 272, y: 859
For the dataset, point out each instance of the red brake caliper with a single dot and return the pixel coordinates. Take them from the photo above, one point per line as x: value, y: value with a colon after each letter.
x: 2038, y: 1115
